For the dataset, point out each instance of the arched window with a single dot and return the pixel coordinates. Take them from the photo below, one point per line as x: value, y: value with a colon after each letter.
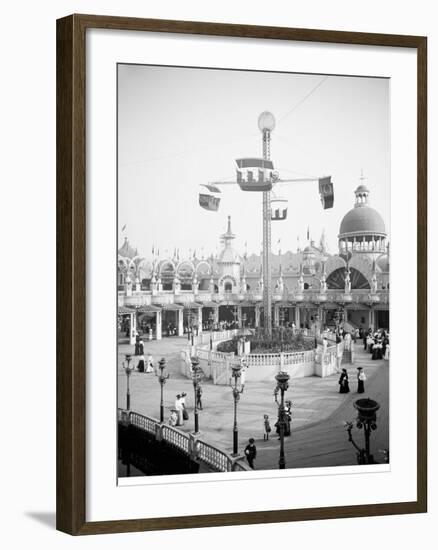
x: 228, y: 287
x: 336, y: 279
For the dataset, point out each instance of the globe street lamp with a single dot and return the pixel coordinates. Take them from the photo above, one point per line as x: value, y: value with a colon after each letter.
x: 128, y: 371
x: 366, y: 420
x: 196, y: 378
x: 236, y: 370
x: 282, y: 379
x: 162, y: 380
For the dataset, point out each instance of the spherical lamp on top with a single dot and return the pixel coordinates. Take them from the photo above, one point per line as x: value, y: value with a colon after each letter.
x: 266, y: 121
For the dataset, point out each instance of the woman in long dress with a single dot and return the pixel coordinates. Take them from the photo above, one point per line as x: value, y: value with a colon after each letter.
x: 360, y: 380
x: 343, y: 382
x: 377, y: 349
x: 140, y: 365
x: 149, y: 364
x: 179, y: 407
x: 386, y: 357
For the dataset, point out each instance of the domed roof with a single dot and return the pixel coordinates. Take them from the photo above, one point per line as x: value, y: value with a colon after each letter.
x: 229, y: 256
x: 362, y: 189
x: 362, y: 220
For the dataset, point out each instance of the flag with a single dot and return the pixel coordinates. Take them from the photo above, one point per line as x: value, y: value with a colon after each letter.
x: 308, y: 233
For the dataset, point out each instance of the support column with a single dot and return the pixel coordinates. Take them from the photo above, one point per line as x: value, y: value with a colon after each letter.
x: 257, y: 316
x: 199, y: 320
x: 371, y: 319
x: 297, y: 317
x: 239, y: 316
x: 276, y: 316
x: 180, y: 322
x: 158, y: 318
x: 132, y: 328
x: 216, y: 315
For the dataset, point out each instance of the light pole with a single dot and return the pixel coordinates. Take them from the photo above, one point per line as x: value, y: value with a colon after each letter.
x: 366, y: 419
x: 162, y: 380
x: 196, y: 377
x: 210, y: 321
x: 282, y: 379
x: 128, y: 371
x: 236, y: 369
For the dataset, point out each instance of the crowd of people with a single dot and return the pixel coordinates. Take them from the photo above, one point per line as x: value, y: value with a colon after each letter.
x: 375, y: 342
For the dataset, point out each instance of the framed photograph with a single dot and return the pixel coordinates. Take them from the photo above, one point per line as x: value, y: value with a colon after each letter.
x: 241, y: 274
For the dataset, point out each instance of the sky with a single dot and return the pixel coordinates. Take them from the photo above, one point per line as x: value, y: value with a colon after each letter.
x: 182, y: 127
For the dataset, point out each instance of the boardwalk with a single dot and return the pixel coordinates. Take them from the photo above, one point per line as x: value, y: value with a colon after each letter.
x: 318, y: 435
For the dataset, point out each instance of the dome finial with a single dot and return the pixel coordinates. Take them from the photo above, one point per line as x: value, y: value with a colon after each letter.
x: 362, y: 192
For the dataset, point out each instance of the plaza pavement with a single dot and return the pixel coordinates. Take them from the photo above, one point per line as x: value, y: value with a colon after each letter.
x: 319, y: 410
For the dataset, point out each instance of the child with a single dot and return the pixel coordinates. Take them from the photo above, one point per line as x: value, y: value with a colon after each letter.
x: 267, y: 427
x: 250, y: 452
x: 173, y: 419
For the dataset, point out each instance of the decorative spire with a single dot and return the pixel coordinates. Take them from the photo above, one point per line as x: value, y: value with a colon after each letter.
x: 323, y: 242
x: 362, y: 192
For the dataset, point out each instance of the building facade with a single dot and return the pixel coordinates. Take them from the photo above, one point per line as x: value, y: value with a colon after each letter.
x: 310, y: 288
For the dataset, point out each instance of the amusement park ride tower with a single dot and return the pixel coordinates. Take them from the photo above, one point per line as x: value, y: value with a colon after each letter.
x: 266, y: 125
x: 274, y: 209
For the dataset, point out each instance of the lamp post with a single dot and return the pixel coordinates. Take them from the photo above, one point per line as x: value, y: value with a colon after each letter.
x: 128, y: 371
x: 210, y: 349
x: 282, y: 379
x: 196, y: 377
x: 366, y: 420
x: 162, y: 380
x: 236, y: 370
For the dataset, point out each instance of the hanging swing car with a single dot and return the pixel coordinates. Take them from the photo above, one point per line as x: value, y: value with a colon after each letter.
x: 255, y: 174
x: 209, y: 201
x: 278, y: 208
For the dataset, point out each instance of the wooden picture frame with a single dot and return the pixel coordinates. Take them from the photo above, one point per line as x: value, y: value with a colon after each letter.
x: 71, y: 273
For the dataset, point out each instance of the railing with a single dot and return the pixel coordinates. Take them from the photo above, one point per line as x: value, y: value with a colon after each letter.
x: 217, y: 356
x: 212, y: 456
x: 195, y: 448
x: 298, y: 357
x: 216, y: 335
x: 144, y: 297
x: 143, y: 422
x: 280, y: 359
x: 262, y: 359
x: 174, y: 437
